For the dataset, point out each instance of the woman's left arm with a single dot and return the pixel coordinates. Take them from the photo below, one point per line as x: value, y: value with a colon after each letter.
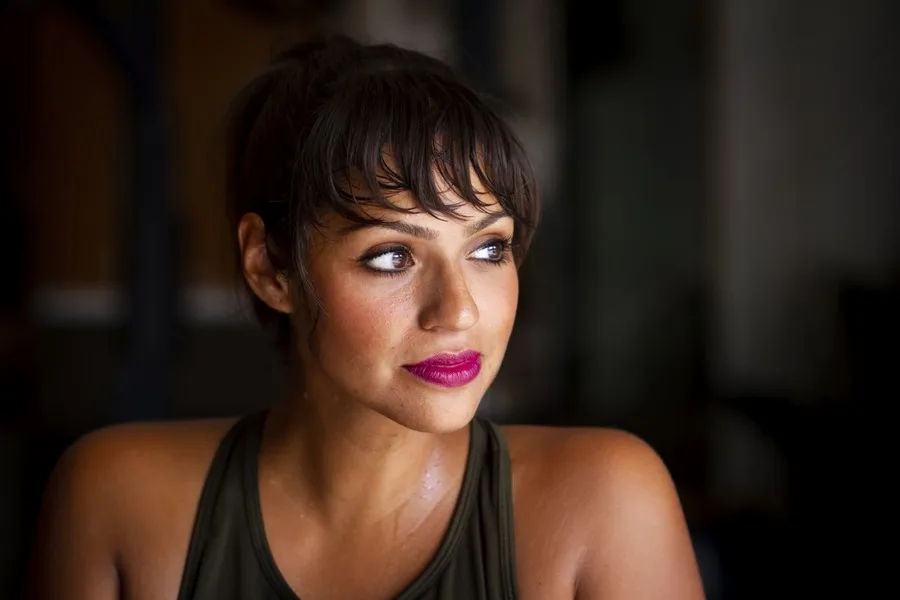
x: 637, y: 543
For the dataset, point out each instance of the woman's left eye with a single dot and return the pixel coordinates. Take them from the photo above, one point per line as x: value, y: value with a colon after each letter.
x: 394, y: 260
x: 494, y: 251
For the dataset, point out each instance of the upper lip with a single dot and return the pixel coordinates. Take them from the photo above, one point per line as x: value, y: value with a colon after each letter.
x: 449, y: 359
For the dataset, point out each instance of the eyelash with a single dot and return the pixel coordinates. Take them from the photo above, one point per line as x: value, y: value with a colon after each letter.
x: 505, y: 256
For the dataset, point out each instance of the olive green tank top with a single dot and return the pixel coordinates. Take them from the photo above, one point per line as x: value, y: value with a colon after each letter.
x: 230, y: 559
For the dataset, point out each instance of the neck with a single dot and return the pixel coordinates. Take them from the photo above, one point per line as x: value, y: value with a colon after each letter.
x: 349, y: 465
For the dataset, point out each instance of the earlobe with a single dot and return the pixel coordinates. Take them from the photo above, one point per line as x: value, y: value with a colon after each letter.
x: 269, y: 284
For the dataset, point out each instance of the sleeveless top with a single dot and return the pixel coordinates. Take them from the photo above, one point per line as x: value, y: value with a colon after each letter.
x: 230, y: 559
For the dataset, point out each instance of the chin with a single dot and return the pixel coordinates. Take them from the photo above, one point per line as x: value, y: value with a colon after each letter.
x: 438, y: 412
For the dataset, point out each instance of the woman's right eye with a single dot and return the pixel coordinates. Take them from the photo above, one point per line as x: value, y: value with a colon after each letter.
x: 390, y: 261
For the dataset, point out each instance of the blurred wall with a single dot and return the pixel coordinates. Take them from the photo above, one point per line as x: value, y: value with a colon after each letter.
x: 76, y: 185
x: 807, y: 186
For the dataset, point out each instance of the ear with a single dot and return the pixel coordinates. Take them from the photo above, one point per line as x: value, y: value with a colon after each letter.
x: 268, y: 283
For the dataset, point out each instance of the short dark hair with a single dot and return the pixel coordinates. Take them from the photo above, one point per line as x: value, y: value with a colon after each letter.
x: 324, y: 110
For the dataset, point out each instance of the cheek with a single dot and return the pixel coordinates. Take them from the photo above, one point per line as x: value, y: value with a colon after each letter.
x: 362, y: 324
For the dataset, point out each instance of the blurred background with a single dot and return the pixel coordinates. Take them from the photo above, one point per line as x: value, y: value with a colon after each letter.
x: 718, y: 269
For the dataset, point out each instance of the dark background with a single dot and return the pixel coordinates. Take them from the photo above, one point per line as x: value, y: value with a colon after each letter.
x: 718, y: 270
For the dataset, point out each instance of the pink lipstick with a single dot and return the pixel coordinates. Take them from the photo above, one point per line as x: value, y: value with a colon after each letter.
x: 448, y: 370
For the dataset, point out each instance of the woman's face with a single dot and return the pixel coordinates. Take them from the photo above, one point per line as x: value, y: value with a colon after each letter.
x: 415, y: 313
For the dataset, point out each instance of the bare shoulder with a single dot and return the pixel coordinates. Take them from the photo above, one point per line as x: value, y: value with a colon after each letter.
x: 616, y: 509
x: 137, y: 471
x: 590, y: 472
x: 117, y: 487
x: 603, y: 466
x: 145, y: 446
x: 124, y: 463
x: 600, y: 453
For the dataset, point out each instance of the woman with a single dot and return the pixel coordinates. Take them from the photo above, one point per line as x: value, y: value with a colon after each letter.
x: 381, y: 210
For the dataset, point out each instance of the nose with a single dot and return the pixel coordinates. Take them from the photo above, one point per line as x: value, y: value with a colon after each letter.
x: 448, y: 303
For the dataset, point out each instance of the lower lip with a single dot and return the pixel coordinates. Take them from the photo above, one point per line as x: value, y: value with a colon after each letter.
x: 447, y: 376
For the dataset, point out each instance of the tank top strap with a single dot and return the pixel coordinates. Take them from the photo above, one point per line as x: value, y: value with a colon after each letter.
x: 229, y: 449
x: 502, y: 500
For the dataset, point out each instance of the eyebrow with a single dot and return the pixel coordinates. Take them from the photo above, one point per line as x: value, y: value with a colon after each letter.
x: 424, y: 232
